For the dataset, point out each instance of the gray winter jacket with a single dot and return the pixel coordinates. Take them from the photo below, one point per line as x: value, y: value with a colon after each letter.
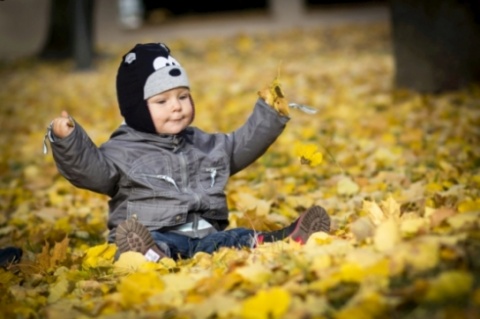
x: 163, y: 178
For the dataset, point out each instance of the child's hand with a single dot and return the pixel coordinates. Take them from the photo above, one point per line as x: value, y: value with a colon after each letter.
x: 62, y: 126
x: 273, y: 96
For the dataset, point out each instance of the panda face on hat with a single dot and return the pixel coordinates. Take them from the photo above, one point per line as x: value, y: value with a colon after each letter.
x: 145, y: 71
x: 168, y: 74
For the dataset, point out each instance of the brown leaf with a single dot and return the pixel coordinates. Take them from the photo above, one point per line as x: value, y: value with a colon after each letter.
x: 441, y: 214
x: 59, y: 252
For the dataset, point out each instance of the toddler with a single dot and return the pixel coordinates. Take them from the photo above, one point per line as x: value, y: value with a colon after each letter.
x: 165, y: 178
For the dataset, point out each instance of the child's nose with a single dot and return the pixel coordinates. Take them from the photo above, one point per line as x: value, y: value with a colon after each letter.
x: 176, y: 105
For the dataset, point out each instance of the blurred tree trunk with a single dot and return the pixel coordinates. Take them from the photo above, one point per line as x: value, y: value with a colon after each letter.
x: 436, y: 44
x: 70, y: 32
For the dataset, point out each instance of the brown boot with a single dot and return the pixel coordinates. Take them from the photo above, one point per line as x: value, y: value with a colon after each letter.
x: 133, y: 236
x: 313, y: 220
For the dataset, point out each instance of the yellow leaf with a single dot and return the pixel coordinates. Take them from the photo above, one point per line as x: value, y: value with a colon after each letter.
x: 137, y: 287
x: 469, y: 206
x: 413, y: 226
x: 216, y: 306
x: 255, y: 273
x: 267, y: 304
x: 420, y: 255
x: 129, y: 262
x: 384, y: 156
x: 365, y: 306
x: 321, y: 263
x: 308, y: 154
x: 362, y: 228
x: 6, y: 277
x: 274, y: 96
x: 387, y: 235
x: 374, y: 212
x: 58, y: 290
x: 346, y: 186
x: 246, y: 201
x: 181, y: 281
x: 99, y: 256
x: 299, y: 201
x: 464, y: 220
x: 352, y: 272
x: 281, y: 105
x: 452, y: 284
x: 318, y: 239
x: 390, y: 208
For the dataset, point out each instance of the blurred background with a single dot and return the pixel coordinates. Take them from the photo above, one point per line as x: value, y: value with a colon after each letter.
x: 435, y: 44
x: 26, y: 26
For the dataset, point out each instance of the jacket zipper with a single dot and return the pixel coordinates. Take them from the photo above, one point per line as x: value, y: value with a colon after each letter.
x: 186, y: 182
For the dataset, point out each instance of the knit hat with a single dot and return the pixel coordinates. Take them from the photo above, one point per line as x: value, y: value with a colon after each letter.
x: 146, y: 70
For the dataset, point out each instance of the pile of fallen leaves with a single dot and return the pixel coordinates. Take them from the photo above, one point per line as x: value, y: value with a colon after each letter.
x: 399, y: 173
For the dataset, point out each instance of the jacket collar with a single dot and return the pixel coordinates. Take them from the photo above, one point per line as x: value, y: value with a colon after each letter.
x: 167, y: 141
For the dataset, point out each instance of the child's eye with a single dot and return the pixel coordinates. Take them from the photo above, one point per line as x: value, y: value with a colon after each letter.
x: 185, y: 96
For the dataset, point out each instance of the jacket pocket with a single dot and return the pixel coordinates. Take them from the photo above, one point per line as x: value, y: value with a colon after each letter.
x: 157, y: 215
x: 213, y: 176
x: 155, y: 173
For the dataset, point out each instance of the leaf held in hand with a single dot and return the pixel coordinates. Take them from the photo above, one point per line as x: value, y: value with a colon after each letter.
x: 273, y: 95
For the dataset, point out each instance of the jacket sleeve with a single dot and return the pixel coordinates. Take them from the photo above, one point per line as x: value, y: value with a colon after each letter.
x: 252, y: 140
x: 82, y: 163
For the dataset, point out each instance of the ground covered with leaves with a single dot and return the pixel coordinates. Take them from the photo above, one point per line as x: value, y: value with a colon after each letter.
x: 399, y: 172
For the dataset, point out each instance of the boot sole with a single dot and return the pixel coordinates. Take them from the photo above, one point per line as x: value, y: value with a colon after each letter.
x: 315, y: 219
x: 133, y: 236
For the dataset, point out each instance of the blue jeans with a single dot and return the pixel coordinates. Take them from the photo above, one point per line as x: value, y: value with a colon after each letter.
x: 180, y: 246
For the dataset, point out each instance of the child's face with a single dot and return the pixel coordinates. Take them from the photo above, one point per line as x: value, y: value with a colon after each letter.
x: 171, y: 111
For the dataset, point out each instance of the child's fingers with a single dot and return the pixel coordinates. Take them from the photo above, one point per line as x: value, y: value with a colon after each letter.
x: 67, y: 116
x: 61, y: 127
